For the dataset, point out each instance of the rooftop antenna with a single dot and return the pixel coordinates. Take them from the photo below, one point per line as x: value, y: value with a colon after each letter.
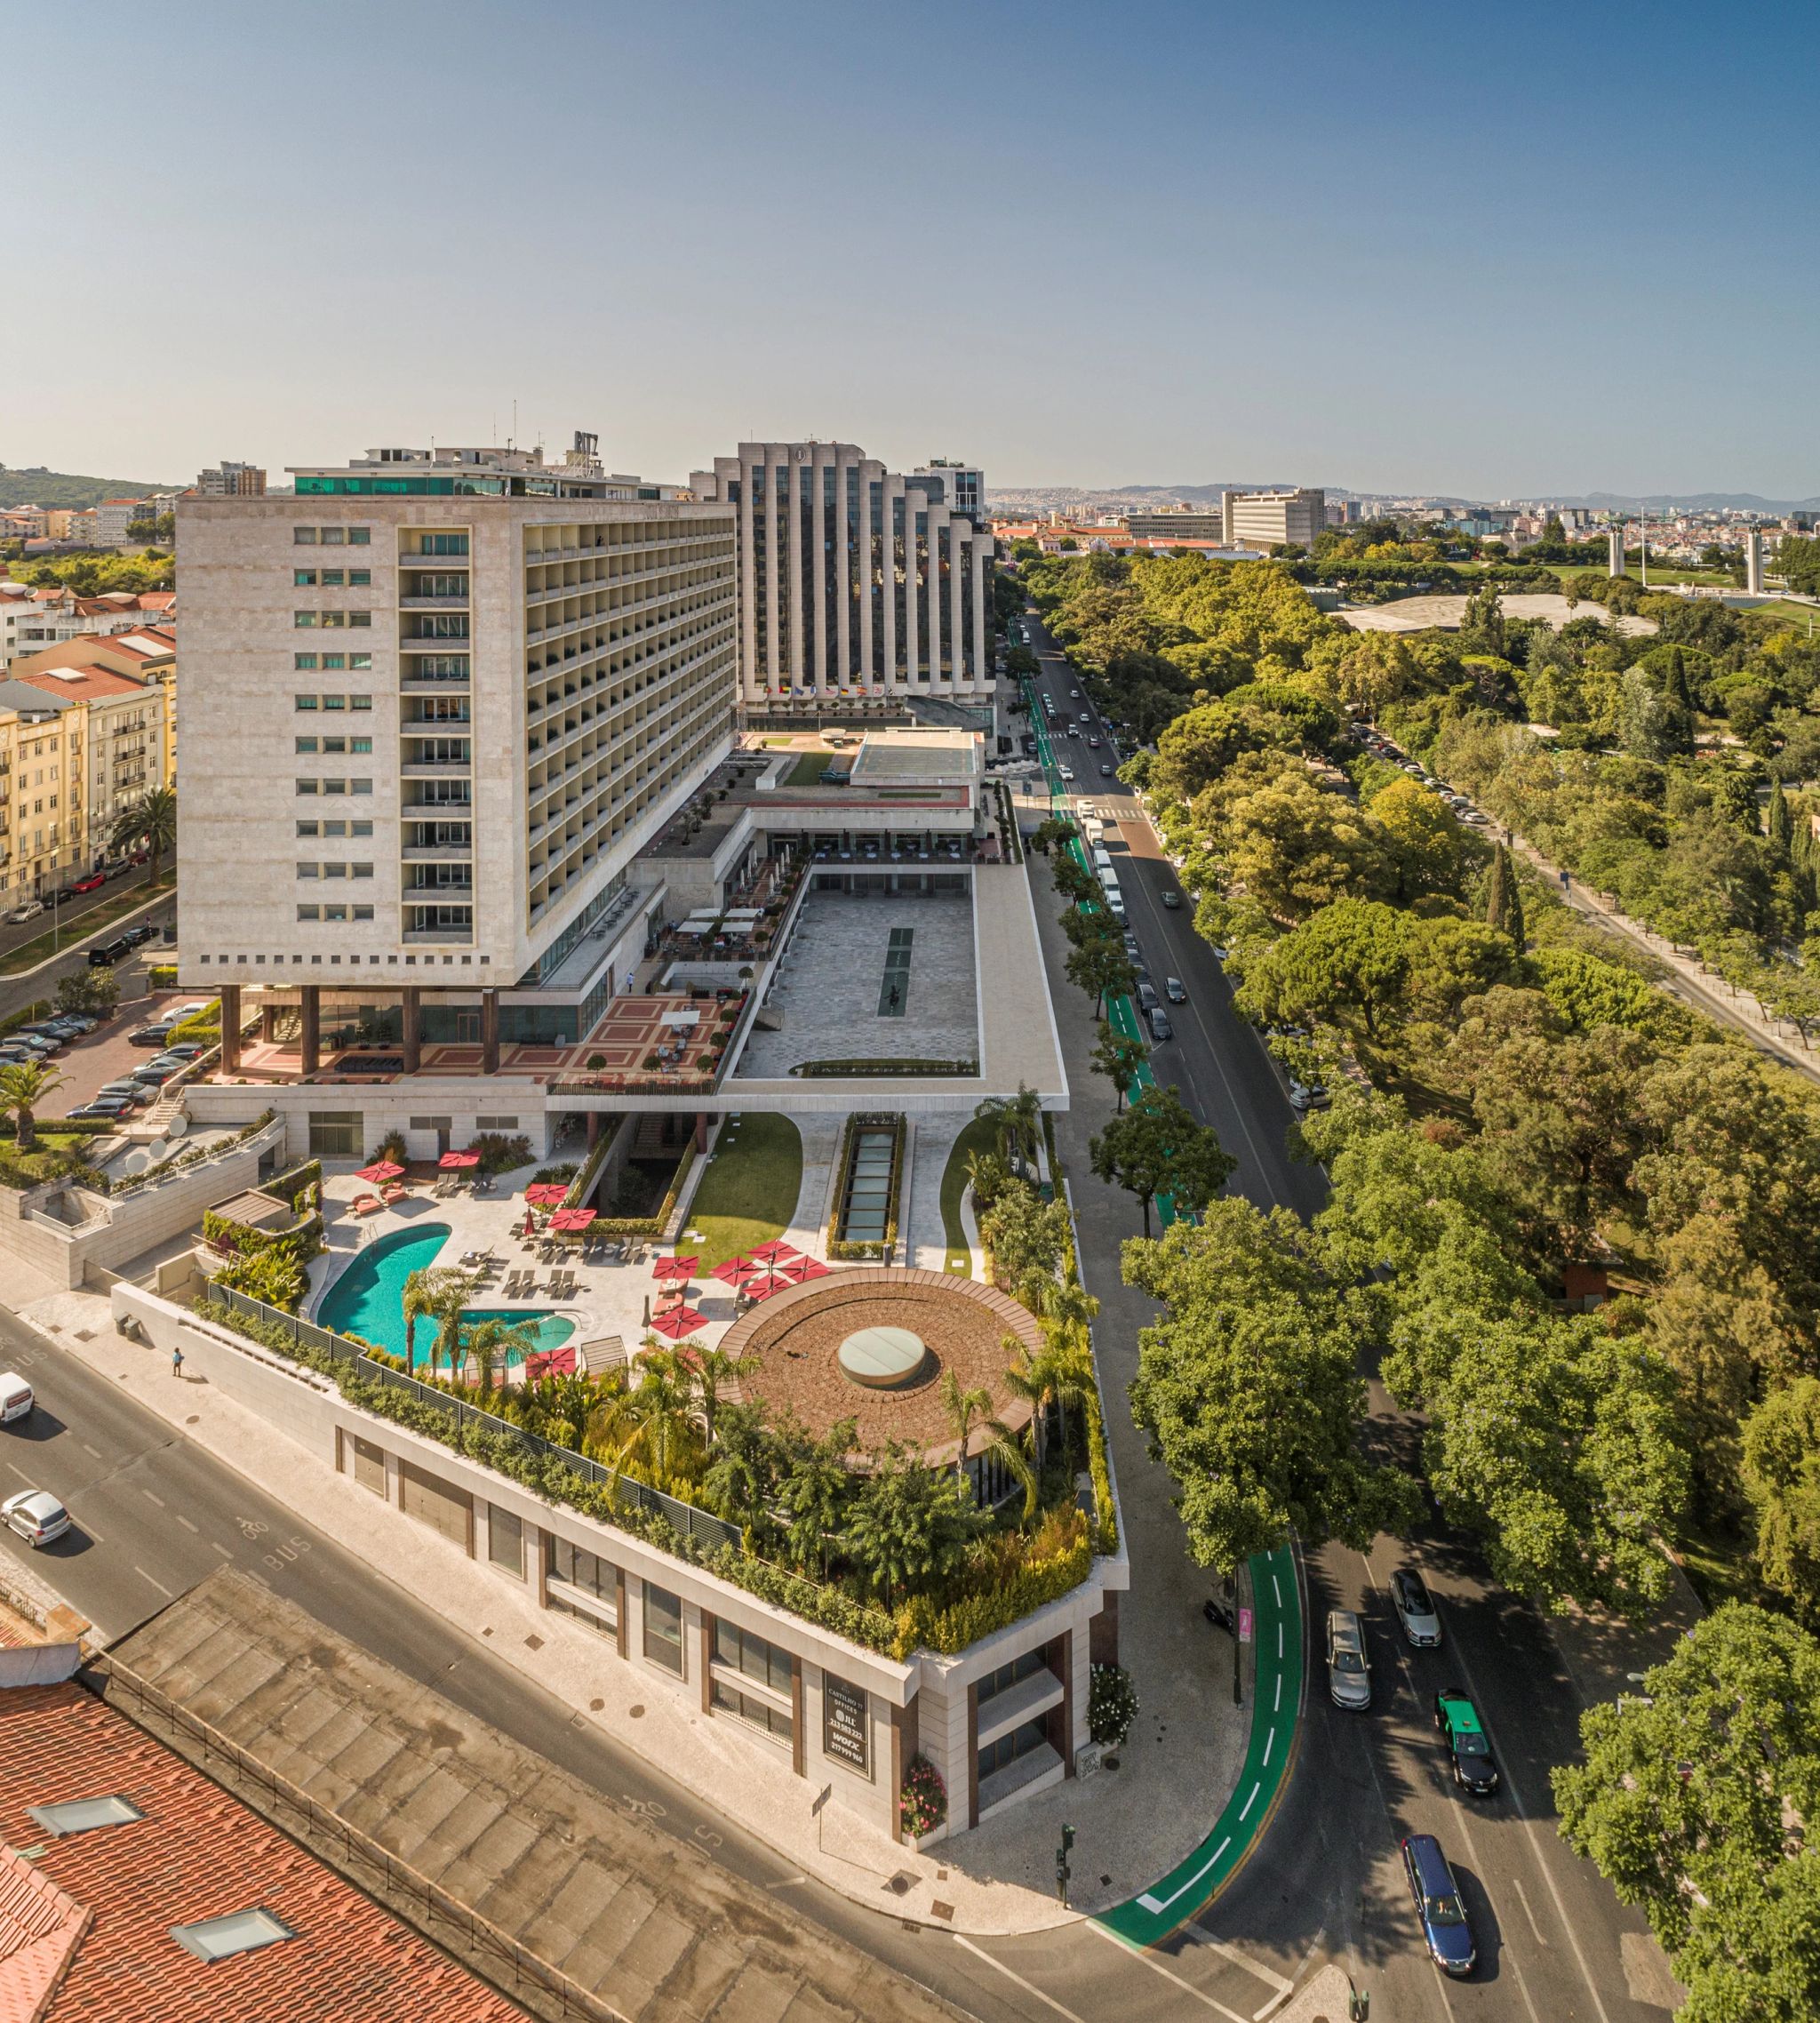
x: 513, y: 444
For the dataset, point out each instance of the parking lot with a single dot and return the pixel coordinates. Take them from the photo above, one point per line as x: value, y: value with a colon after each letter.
x: 106, y: 1055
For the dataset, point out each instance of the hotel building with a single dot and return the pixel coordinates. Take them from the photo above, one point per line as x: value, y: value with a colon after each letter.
x: 861, y: 591
x: 1266, y: 520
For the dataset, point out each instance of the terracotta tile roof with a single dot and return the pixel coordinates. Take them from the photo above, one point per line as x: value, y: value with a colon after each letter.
x: 83, y: 682
x: 40, y: 1929
x: 199, y: 1854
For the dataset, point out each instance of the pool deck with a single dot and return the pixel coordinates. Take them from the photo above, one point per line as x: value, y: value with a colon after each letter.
x: 608, y: 1302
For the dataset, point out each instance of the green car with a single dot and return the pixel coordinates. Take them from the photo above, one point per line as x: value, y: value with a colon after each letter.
x: 1457, y: 1722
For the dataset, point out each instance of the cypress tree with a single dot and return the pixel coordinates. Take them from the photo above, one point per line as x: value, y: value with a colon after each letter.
x: 1514, y: 912
x: 1782, y: 827
x: 1504, y: 904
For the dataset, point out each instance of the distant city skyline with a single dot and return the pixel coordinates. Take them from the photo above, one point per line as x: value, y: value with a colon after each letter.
x: 1453, y: 255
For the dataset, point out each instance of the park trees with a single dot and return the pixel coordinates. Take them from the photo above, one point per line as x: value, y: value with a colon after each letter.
x: 1295, y: 848
x: 1103, y: 970
x: 1695, y: 1800
x: 1345, y: 967
x: 909, y: 1526
x: 1781, y: 1479
x: 1249, y: 1389
x: 1119, y: 1058
x: 1421, y: 845
x: 1157, y: 1147
x: 24, y: 1086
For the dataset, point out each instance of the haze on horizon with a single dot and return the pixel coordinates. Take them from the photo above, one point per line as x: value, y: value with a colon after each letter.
x: 1470, y: 254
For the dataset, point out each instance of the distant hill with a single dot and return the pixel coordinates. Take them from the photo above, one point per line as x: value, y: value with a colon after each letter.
x: 40, y: 487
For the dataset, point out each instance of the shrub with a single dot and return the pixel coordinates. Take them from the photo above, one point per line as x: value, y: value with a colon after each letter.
x: 162, y: 976
x: 273, y: 1276
x: 390, y: 1147
x: 93, y: 992
x: 500, y: 1153
x: 545, y: 1175
x: 596, y: 1062
x: 923, y: 1803
x: 1112, y: 1705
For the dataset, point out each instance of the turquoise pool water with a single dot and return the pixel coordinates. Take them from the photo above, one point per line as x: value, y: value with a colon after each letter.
x: 368, y: 1299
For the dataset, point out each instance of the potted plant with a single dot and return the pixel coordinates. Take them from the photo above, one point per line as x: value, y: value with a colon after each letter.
x: 922, y: 1803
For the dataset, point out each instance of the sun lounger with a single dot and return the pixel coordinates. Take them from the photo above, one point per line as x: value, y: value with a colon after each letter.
x: 366, y: 1204
x: 393, y: 1191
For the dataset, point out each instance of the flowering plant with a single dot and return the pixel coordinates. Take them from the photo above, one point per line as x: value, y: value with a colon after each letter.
x: 1112, y: 1705
x: 923, y: 1805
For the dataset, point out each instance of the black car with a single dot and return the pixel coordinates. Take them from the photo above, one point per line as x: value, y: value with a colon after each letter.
x: 104, y: 1108
x: 138, y: 936
x: 149, y: 1035
x: 1106, y: 772
x: 1445, y: 1929
x: 1457, y: 1724
x: 1160, y: 1026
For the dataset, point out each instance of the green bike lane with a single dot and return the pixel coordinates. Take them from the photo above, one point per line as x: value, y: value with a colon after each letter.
x: 1278, y: 1632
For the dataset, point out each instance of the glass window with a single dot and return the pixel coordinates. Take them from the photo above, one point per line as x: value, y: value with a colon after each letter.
x: 333, y: 537
x: 360, y: 828
x: 361, y: 871
x: 307, y: 829
x: 334, y: 745
x: 334, y: 828
x: 242, y: 1931
x: 1018, y: 1669
x: 1008, y: 1748
x: 360, y: 537
x: 360, y: 661
x: 358, y: 619
x: 306, y: 913
x: 360, y: 744
x: 362, y: 786
x: 332, y: 618
x: 358, y: 578
x: 307, y: 870
x: 306, y: 744
x: 335, y: 701
x: 305, y: 701
x: 304, y: 537
x: 309, y: 786
x: 740, y: 1650
x: 663, y: 1628
x: 334, y: 787
x: 303, y: 578
x: 302, y: 619
x: 332, y: 579
x: 363, y: 913
x: 83, y: 1815
x: 506, y: 1540
x: 334, y: 913
x: 334, y: 870
x: 773, y: 1721
x: 361, y: 701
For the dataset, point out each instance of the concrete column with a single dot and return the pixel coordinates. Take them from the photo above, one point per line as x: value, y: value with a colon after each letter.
x: 311, y: 994
x: 411, y: 1019
x: 490, y: 1032
x: 594, y: 1129
x: 701, y: 1130
x: 845, y: 564
x: 795, y: 473
x: 230, y: 1028
x: 912, y: 618
x: 816, y: 633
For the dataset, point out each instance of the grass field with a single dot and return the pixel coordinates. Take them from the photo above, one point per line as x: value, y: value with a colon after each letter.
x: 980, y: 1135
x: 748, y: 1194
x: 808, y: 770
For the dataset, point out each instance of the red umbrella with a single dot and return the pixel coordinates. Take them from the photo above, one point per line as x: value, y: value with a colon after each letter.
x: 732, y: 1271
x: 678, y: 1322
x: 812, y: 1268
x: 550, y: 1362
x: 456, y: 1162
x: 571, y: 1218
x: 380, y: 1173
x: 546, y: 1194
x: 776, y: 1248
x: 764, y: 1285
x: 674, y: 1267
x: 794, y: 1269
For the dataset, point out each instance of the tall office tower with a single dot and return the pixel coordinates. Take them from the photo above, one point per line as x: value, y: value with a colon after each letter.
x: 1265, y: 520
x: 1615, y: 550
x: 232, y: 481
x: 860, y: 591
x: 962, y: 486
x: 432, y: 705
x: 1753, y: 562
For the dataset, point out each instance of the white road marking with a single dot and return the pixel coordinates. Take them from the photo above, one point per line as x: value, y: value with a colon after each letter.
x: 20, y: 1473
x: 222, y: 1549
x: 1156, y: 1904
x: 86, y: 1449
x: 185, y: 1521
x: 1269, y: 1744
x: 1277, y: 1708
x: 1156, y: 1967
x: 1528, y: 1913
x: 1029, y: 1988
x: 1278, y: 1586
x: 1269, y: 1976
x: 159, y: 1500
x: 1251, y: 1802
x: 159, y: 1585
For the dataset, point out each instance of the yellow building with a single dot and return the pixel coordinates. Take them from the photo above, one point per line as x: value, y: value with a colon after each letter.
x: 42, y: 817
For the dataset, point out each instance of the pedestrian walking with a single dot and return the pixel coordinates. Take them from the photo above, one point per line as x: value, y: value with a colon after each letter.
x: 177, y: 1360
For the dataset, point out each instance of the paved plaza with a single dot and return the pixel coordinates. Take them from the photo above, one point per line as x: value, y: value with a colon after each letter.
x: 834, y: 981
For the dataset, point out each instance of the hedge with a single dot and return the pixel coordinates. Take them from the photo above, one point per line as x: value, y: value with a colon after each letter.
x: 923, y: 1623
x: 809, y: 1070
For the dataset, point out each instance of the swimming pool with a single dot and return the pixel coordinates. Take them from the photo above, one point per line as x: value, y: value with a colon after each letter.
x: 368, y: 1299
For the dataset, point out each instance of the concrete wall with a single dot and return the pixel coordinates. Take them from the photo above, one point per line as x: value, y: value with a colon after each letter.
x: 82, y: 1229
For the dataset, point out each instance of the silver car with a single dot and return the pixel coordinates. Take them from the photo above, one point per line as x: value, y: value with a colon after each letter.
x: 1415, y: 1609
x: 1348, y: 1668
x: 35, y: 1515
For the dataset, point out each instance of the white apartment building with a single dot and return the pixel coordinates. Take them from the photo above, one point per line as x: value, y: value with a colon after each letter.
x: 962, y: 486
x: 860, y: 590
x: 1265, y: 520
x: 432, y: 705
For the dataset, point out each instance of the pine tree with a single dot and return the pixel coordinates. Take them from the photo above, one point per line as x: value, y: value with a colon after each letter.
x: 1782, y: 827
x: 1675, y: 683
x: 1513, y: 913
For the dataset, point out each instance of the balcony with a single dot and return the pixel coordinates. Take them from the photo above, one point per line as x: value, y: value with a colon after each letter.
x: 440, y: 937
x: 434, y: 603
x: 436, y: 768
x: 436, y: 852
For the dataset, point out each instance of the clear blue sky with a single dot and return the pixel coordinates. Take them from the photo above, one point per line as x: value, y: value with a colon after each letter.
x: 1495, y: 251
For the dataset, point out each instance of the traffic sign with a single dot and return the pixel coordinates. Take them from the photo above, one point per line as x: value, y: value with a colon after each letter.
x: 1244, y: 1626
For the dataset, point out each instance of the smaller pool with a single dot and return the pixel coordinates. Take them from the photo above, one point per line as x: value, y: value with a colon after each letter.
x: 368, y: 1299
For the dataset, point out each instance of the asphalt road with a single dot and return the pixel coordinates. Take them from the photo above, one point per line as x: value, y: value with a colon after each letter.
x: 17, y: 992
x: 1326, y: 1882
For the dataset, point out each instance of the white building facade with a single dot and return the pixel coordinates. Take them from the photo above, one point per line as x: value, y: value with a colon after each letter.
x: 859, y: 589
x: 1265, y: 520
x: 432, y: 707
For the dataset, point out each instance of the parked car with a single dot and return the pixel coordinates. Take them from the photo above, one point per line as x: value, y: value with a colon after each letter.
x: 1415, y: 1609
x: 37, y: 1516
x: 1172, y: 898
x: 1348, y: 1667
x: 154, y: 1076
x: 42, y: 1044
x: 152, y: 1036
x: 30, y: 910
x: 1172, y: 989
x: 1445, y: 1929
x: 104, y: 954
x: 183, y: 1050
x: 135, y: 1091
x: 1469, y: 1754
x: 104, y: 1109
x: 1160, y: 1028
x: 15, y: 1398
x: 1306, y: 1096
x: 1147, y: 999
x: 1068, y: 772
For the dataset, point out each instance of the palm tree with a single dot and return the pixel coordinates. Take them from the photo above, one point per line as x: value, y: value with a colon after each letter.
x: 1017, y: 1119
x: 1057, y: 1375
x: 151, y: 820
x: 709, y: 1372
x: 23, y: 1086
x: 437, y: 1294
x: 492, y: 1343
x: 963, y: 1408
x: 654, y: 1414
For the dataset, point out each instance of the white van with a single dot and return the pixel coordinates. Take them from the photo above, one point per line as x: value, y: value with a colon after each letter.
x: 1102, y: 858
x: 15, y: 1398
x: 1093, y: 829
x: 1108, y: 878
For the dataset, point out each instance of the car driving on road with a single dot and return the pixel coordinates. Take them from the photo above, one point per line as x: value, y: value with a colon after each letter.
x: 1469, y: 1752
x: 1172, y: 989
x: 36, y: 1515
x: 1171, y: 899
x: 1348, y: 1667
x: 1415, y: 1609
x: 1445, y: 1929
x: 1160, y: 1026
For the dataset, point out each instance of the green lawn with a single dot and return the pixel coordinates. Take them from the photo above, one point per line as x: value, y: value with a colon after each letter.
x: 1801, y: 616
x: 980, y: 1135
x: 52, y: 1155
x: 808, y: 770
x: 748, y: 1194
x: 76, y: 928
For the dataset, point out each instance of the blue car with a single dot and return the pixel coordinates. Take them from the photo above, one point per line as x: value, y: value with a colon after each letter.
x: 1439, y: 1905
